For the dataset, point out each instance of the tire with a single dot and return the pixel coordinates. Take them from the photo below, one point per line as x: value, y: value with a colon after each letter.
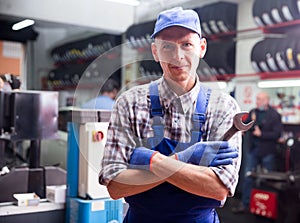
x: 290, y: 9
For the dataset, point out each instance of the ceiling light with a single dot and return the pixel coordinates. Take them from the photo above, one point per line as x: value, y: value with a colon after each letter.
x: 126, y: 2
x: 23, y: 24
x: 279, y: 83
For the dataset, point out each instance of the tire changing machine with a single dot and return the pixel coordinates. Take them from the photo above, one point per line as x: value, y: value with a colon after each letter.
x: 87, y: 200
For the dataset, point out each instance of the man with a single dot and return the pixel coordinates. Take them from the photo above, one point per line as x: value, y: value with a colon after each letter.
x: 260, y: 144
x: 9, y: 82
x: 106, y: 99
x: 157, y: 154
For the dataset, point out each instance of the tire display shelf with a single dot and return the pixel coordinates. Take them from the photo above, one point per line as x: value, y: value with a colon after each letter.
x: 72, y: 60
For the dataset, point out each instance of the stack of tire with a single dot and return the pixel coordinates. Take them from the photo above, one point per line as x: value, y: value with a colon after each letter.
x: 84, y: 50
x: 65, y: 76
x: 219, y: 59
x: 276, y: 54
x: 217, y: 18
x: 150, y: 68
x: 138, y: 35
x: 270, y: 12
x: 138, y: 38
x: 72, y: 60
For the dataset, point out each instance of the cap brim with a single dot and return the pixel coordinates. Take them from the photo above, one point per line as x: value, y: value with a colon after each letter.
x: 180, y: 25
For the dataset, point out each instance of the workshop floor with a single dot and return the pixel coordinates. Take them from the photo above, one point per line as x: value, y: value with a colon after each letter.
x: 227, y: 216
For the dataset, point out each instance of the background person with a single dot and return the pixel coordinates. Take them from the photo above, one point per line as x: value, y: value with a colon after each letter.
x: 9, y: 82
x: 161, y: 153
x: 1, y: 83
x: 106, y: 99
x: 9, y: 157
x: 260, y: 143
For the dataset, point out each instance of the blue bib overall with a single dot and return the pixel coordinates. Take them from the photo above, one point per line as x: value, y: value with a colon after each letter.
x: 167, y: 203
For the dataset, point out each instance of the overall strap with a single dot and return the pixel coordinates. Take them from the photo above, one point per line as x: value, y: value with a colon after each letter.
x: 156, y: 109
x: 158, y: 142
x: 199, y: 117
x: 156, y: 113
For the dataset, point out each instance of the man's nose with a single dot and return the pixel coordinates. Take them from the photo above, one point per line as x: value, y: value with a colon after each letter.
x: 178, y: 53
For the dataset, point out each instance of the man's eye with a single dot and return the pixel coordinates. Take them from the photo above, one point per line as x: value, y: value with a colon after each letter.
x: 168, y: 47
x: 187, y: 45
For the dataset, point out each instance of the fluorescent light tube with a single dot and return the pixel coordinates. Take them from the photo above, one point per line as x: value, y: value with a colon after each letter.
x: 279, y: 83
x: 23, y: 24
x: 126, y: 2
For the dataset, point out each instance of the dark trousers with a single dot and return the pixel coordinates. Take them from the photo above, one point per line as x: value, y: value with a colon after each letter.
x: 252, y: 160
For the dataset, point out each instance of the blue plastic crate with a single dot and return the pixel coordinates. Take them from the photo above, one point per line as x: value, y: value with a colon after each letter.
x: 90, y: 211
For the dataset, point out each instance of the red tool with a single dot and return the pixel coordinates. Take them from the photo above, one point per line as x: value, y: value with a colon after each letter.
x: 238, y: 125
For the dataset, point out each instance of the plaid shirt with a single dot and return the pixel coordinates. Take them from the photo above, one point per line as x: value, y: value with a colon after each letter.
x: 130, y: 126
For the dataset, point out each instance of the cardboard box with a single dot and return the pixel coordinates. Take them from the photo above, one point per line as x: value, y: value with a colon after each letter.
x: 56, y: 194
x: 27, y: 199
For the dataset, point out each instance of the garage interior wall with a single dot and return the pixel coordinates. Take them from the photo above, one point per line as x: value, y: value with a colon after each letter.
x: 39, y: 61
x: 34, y: 63
x: 11, y: 57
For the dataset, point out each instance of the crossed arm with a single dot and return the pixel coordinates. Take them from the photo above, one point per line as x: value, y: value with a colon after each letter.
x: 195, y: 179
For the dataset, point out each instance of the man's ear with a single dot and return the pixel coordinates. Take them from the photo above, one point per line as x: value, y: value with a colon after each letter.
x: 154, y: 52
x: 203, y: 47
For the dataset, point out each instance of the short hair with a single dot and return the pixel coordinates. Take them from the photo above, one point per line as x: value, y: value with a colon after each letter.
x: 109, y: 86
x: 13, y: 80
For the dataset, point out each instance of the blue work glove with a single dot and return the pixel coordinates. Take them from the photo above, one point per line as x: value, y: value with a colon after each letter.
x: 214, y: 153
x: 141, y: 158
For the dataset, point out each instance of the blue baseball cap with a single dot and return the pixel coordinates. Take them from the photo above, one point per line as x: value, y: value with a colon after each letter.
x: 188, y: 19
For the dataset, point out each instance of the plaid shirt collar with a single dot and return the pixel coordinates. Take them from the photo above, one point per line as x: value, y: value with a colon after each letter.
x: 186, y: 100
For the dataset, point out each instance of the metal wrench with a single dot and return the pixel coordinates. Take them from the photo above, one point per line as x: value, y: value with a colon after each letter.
x: 238, y: 125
